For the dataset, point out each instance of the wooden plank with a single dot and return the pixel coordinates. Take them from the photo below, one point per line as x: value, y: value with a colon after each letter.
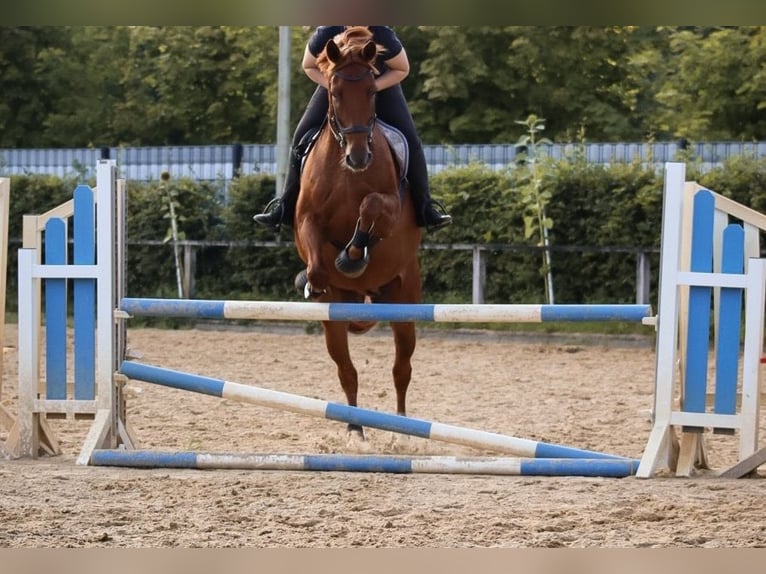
x: 698, y: 318
x: 55, y: 313
x: 63, y: 211
x: 660, y: 447
x: 47, y: 439
x: 84, y: 296
x: 745, y: 466
x: 687, y: 454
x: 64, y: 406
x: 702, y: 420
x: 746, y: 214
x: 729, y: 323
x: 5, y: 197
x: 710, y: 400
x: 7, y: 420
x: 755, y: 302
x: 12, y: 445
x: 739, y: 211
x: 100, y: 434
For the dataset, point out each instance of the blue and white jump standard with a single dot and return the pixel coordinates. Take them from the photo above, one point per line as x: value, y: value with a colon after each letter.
x: 355, y: 415
x: 307, y: 311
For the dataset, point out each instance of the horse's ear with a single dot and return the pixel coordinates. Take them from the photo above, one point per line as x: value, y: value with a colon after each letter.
x: 370, y: 51
x: 333, y: 52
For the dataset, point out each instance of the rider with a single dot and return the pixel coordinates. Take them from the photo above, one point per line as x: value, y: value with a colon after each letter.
x: 391, y: 107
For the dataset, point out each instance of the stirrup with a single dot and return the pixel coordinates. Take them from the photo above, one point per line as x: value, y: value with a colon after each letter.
x: 445, y: 218
x: 272, y: 214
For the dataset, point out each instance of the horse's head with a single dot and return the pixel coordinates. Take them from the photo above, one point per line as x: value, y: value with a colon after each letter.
x: 350, y: 68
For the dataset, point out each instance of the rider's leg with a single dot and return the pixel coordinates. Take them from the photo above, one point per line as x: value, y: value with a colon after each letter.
x: 392, y: 109
x: 282, y: 209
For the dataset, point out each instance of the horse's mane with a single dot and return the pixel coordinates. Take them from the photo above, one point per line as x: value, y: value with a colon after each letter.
x: 350, y: 41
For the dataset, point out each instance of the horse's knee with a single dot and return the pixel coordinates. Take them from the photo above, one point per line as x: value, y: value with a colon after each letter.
x: 380, y: 209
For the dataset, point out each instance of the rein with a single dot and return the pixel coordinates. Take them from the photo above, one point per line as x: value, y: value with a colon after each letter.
x: 340, y: 132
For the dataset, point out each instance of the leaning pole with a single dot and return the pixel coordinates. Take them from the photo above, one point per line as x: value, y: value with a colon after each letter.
x: 355, y: 415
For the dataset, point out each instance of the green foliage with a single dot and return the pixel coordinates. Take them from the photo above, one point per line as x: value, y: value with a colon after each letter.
x: 93, y: 86
x: 620, y: 207
x: 199, y: 214
x: 717, y: 87
x: 258, y: 272
x: 476, y: 197
x: 592, y: 207
x: 534, y: 193
x: 534, y: 196
x: 29, y: 93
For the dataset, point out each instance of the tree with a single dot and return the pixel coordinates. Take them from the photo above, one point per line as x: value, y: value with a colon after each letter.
x: 716, y: 88
x: 28, y: 95
x: 188, y: 85
x: 138, y: 85
x: 465, y: 85
x: 83, y: 77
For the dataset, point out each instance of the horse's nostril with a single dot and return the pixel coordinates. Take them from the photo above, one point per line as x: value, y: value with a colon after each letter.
x: 357, y: 162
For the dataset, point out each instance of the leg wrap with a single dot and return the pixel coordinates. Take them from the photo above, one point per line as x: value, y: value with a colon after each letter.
x: 360, y: 240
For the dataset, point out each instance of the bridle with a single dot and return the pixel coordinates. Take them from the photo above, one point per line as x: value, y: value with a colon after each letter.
x: 340, y: 132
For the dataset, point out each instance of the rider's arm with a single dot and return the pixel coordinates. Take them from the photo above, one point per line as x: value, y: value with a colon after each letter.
x: 310, y: 67
x: 398, y: 69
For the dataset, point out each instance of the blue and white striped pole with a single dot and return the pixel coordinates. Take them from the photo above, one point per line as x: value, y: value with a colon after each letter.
x: 616, y: 468
x: 354, y: 415
x: 445, y: 313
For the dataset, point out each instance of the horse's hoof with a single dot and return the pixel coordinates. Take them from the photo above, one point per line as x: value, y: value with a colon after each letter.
x: 352, y: 267
x: 303, y: 286
x: 355, y: 430
x: 301, y: 280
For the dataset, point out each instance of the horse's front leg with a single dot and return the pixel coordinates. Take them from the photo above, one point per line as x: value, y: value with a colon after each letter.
x: 336, y: 340
x: 314, y: 280
x: 377, y: 213
x: 404, y: 340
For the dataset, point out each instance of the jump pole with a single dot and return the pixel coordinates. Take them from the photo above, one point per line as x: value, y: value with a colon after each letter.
x: 355, y: 415
x: 308, y: 311
x: 612, y: 468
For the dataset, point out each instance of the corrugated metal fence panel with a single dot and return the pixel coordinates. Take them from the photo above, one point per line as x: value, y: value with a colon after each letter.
x: 60, y: 162
x: 216, y: 162
x: 259, y: 159
x: 196, y: 162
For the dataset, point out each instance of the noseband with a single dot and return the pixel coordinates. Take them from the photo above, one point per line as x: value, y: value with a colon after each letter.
x: 340, y: 132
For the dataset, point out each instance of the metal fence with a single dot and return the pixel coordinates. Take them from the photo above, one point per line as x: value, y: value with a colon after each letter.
x: 224, y: 162
x: 479, y: 253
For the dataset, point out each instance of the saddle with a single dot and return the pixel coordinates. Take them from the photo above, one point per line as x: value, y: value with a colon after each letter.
x: 395, y: 138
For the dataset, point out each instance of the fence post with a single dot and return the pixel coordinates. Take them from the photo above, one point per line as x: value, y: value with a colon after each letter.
x: 5, y: 198
x: 237, y: 154
x: 643, y: 276
x: 190, y: 264
x: 479, y: 275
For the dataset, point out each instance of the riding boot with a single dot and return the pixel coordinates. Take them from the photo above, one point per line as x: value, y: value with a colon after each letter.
x: 429, y: 213
x: 435, y: 216
x: 282, y: 209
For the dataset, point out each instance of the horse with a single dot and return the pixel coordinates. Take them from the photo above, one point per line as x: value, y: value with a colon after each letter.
x: 355, y: 229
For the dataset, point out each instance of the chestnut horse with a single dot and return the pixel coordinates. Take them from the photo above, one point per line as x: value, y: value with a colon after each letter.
x: 355, y: 229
